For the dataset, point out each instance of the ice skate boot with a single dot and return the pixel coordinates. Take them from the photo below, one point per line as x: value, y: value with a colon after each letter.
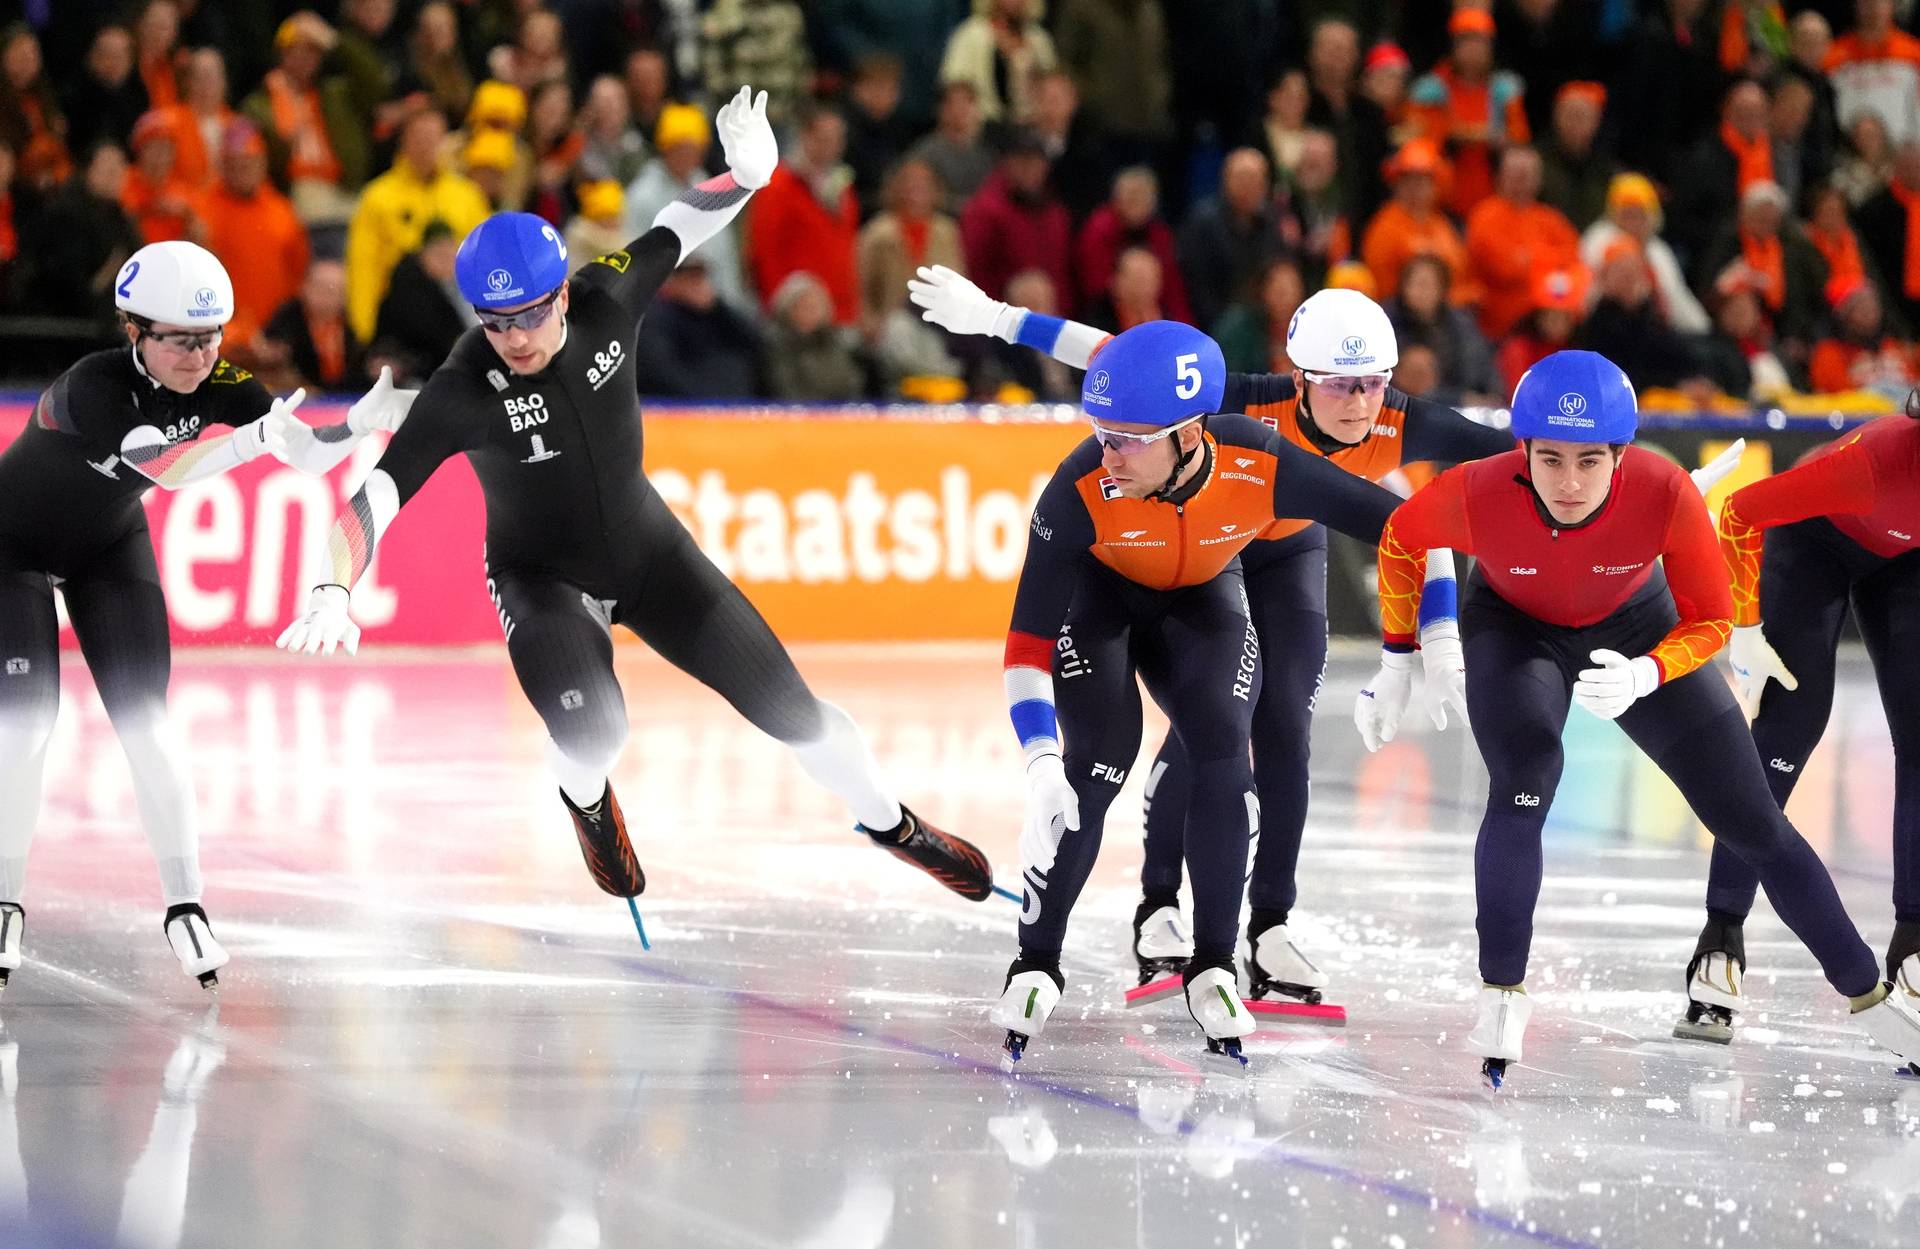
x: 953, y: 861
x: 1714, y: 997
x: 193, y: 943
x: 13, y: 928
x: 1498, y: 1035
x: 602, y: 831
x: 1275, y: 965
x: 1213, y: 999
x: 1894, y: 1024
x: 1715, y: 980
x: 1033, y: 989
x: 1161, y: 945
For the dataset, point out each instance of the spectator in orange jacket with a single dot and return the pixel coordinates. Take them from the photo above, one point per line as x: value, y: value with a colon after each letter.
x: 808, y: 217
x: 1877, y: 66
x: 1512, y: 238
x: 253, y: 229
x: 155, y: 197
x: 1411, y: 223
x: 156, y: 37
x: 1559, y: 305
x: 1469, y: 110
x: 201, y: 117
x: 1858, y: 353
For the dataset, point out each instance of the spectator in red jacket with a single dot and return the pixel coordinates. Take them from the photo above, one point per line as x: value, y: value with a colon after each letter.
x: 1129, y: 218
x: 809, y: 218
x: 1013, y: 222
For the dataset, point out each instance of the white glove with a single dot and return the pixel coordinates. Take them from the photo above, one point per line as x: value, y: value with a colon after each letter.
x: 272, y: 431
x: 1052, y: 808
x: 1753, y: 660
x: 1709, y: 474
x: 1381, y: 702
x: 1616, y: 684
x: 326, y: 624
x: 954, y: 303
x: 747, y: 139
x: 383, y: 407
x: 1444, y: 662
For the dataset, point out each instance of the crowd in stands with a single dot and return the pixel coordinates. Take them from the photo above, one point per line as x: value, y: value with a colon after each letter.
x: 1721, y: 195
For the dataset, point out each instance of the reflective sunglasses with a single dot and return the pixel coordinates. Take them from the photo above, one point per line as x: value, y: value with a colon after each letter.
x: 184, y: 341
x: 530, y: 318
x: 1132, y: 444
x: 1368, y: 384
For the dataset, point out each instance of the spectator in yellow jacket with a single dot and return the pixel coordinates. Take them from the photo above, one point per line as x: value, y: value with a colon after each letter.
x: 395, y: 209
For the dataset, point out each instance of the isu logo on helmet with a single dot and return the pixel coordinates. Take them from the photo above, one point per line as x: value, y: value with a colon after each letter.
x: 499, y: 280
x: 1353, y: 345
x: 1100, y: 382
x: 204, y: 297
x: 1572, y: 404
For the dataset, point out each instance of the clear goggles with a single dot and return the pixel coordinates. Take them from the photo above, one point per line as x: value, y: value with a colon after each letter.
x: 1131, y: 444
x: 1368, y: 384
x: 530, y: 318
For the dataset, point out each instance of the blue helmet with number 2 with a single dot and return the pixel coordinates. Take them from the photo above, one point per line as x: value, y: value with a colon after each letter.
x: 1575, y: 396
x: 1158, y: 374
x: 510, y: 258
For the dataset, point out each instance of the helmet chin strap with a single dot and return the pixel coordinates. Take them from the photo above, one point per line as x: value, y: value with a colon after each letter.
x: 1180, y: 462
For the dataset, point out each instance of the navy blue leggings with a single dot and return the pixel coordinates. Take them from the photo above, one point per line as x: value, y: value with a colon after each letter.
x: 1197, y: 652
x: 1808, y: 574
x: 1520, y: 675
x: 1287, y: 588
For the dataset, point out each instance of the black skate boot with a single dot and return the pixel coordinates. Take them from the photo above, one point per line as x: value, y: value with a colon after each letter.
x: 1161, y: 946
x: 954, y: 862
x: 602, y: 831
x: 1714, y: 979
x: 13, y: 927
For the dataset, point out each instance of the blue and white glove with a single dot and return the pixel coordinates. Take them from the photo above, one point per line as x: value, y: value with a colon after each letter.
x: 1754, y: 661
x: 1052, y: 808
x: 1381, y: 702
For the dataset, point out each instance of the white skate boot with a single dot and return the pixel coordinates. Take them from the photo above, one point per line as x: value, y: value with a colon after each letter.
x: 193, y: 943
x: 1906, y: 980
x: 1213, y: 999
x: 1714, y: 996
x: 1161, y: 945
x: 1894, y: 1024
x: 1276, y: 965
x: 1502, y: 1027
x: 13, y: 927
x: 1026, y: 1003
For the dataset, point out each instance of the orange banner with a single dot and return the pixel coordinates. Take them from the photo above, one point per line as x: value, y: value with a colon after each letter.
x: 844, y: 526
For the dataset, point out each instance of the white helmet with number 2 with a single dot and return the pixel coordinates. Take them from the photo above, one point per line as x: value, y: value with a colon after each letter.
x: 175, y: 283
x: 1342, y: 332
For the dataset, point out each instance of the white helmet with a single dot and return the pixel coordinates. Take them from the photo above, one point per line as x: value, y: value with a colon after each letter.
x: 1341, y: 332
x: 175, y: 283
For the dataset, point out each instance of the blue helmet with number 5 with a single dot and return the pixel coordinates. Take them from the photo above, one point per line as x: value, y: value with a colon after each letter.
x: 1157, y: 374
x: 1575, y: 396
x: 510, y: 258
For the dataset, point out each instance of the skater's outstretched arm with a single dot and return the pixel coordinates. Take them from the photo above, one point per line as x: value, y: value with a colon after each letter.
x: 434, y: 431
x: 1059, y: 536
x: 633, y: 274
x: 952, y: 302
x: 172, y: 458
x: 319, y: 449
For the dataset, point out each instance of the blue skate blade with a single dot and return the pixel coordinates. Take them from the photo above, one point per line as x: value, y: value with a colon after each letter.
x: 638, y: 926
x: 1009, y: 895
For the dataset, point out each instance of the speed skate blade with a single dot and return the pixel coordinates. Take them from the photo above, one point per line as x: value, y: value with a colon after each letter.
x: 1715, y: 1033
x: 1154, y: 990
x: 1325, y: 1013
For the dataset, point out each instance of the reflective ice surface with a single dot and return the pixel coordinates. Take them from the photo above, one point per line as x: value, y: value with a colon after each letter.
x: 436, y: 1032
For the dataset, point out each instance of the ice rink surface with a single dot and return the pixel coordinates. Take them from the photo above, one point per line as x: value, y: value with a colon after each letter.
x: 436, y: 1032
